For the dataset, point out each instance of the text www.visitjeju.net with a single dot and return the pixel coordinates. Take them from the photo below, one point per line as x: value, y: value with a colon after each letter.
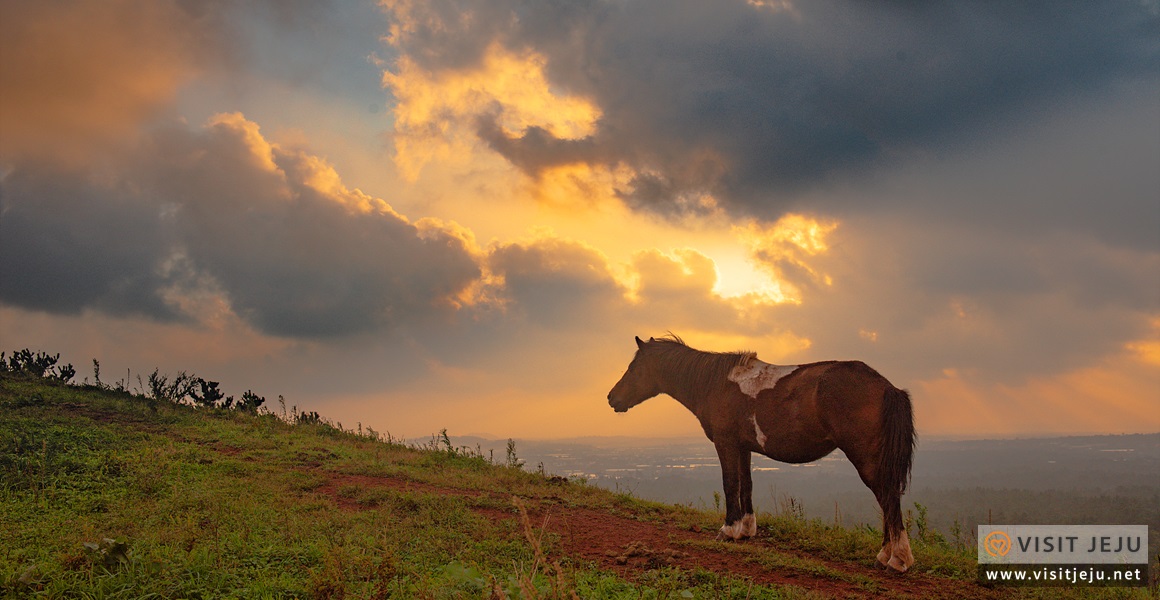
x: 1095, y: 575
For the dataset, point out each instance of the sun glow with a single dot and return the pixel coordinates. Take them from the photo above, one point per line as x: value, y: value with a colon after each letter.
x: 739, y: 276
x: 579, y: 185
x: 1147, y: 350
x: 792, y: 241
x: 437, y: 115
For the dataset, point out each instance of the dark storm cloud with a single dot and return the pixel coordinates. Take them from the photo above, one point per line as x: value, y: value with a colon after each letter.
x: 220, y: 211
x: 65, y: 245
x: 536, y: 148
x: 785, y: 100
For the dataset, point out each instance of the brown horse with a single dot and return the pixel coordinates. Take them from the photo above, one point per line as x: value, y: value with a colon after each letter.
x: 792, y: 414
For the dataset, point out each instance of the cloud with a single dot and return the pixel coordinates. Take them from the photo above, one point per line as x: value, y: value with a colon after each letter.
x: 920, y: 299
x: 80, y: 75
x: 1114, y: 395
x: 221, y: 212
x: 753, y: 106
x: 438, y: 114
x: 557, y: 283
x: 66, y: 245
x: 562, y: 285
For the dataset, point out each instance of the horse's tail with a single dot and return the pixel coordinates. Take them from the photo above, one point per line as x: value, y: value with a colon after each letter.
x: 894, y: 461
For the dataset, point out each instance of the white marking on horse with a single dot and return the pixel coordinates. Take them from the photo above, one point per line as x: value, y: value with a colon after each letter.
x: 745, y: 527
x: 896, y: 553
x: 901, y: 558
x: 757, y: 431
x: 749, y: 525
x: 729, y: 532
x: 753, y: 375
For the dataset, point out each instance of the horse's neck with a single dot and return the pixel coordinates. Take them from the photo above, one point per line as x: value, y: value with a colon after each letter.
x: 691, y: 382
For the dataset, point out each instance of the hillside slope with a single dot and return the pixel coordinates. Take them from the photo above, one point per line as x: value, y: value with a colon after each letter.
x: 105, y: 494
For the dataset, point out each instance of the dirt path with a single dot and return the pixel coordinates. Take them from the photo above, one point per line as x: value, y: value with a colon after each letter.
x: 630, y: 547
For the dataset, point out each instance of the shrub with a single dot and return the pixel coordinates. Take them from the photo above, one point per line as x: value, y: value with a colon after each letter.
x: 250, y: 402
x: 160, y: 388
x: 206, y: 393
x: 38, y: 365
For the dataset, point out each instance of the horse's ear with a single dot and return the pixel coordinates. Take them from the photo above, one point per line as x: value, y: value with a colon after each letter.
x: 639, y: 344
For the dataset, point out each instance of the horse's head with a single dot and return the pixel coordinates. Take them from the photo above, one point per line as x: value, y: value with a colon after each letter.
x: 639, y: 382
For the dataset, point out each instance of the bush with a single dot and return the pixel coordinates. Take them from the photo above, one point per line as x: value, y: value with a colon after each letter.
x: 177, y: 390
x: 38, y: 365
x: 250, y: 402
x: 206, y: 393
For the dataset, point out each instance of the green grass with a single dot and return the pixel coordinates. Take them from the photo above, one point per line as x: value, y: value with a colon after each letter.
x: 109, y: 495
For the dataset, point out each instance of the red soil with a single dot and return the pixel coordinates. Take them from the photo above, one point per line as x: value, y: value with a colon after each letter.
x: 630, y: 547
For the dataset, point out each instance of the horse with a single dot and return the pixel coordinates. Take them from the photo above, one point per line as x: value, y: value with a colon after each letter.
x: 792, y: 414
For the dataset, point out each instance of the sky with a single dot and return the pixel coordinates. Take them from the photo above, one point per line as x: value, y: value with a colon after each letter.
x: 450, y: 214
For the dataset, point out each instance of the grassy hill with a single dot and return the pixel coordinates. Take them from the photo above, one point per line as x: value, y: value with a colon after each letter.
x: 106, y: 494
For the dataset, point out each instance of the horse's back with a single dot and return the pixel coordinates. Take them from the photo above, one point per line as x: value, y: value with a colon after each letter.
x: 820, y: 406
x: 788, y: 413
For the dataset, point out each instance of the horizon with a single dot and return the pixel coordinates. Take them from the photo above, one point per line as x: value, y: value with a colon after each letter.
x: 637, y: 441
x: 458, y: 215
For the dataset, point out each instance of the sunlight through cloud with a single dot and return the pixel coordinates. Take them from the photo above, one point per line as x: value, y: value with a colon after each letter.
x: 436, y: 114
x: 784, y: 249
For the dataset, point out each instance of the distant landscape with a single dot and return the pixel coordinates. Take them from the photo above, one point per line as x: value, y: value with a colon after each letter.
x: 1107, y: 479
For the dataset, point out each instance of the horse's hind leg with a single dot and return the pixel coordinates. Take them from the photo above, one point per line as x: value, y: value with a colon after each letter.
x: 895, y: 552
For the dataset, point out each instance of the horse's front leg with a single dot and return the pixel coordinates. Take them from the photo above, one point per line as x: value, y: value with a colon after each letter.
x: 731, y: 480
x: 745, y: 471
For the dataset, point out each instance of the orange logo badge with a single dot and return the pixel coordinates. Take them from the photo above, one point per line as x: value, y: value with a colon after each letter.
x: 997, y: 543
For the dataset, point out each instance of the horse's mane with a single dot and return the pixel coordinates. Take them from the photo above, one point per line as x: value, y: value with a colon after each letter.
x: 696, y: 370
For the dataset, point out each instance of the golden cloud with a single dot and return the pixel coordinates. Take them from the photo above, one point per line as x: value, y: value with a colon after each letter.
x: 436, y: 113
x: 1147, y: 350
x: 785, y: 248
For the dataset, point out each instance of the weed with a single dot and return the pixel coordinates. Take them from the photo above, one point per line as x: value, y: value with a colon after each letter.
x: 97, y: 375
x: 558, y: 580
x: 923, y: 531
x: 791, y: 507
x: 513, y: 461
x: 110, y: 553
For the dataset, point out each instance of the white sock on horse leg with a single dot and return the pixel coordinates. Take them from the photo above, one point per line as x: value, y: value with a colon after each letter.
x: 884, y: 553
x: 901, y: 557
x: 731, y: 532
x: 749, y: 525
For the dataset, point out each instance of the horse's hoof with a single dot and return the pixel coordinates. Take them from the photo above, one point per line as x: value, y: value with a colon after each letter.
x: 729, y: 533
